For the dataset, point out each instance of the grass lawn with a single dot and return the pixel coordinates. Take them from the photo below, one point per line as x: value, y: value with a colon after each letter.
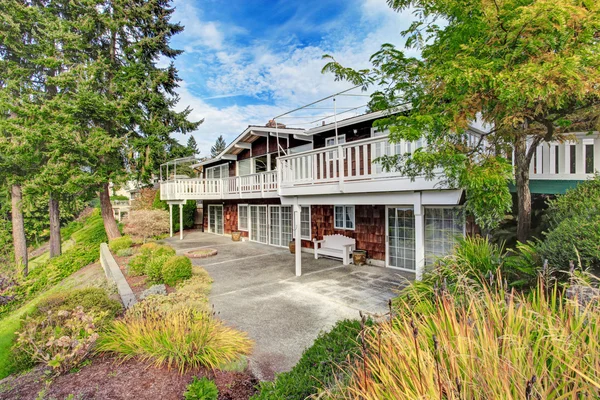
x: 92, y: 275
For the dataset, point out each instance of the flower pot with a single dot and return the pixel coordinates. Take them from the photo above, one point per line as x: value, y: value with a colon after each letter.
x: 292, y: 246
x: 236, y: 236
x: 359, y: 257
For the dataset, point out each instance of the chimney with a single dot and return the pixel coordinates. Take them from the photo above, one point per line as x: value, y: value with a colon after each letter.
x: 322, y: 123
x: 272, y: 124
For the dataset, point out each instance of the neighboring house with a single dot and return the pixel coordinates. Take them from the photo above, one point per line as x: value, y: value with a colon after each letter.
x: 271, y: 179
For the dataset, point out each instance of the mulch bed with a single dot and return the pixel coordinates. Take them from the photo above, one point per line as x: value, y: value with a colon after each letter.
x: 106, y: 378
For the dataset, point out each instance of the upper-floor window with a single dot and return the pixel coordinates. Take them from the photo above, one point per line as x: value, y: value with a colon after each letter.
x: 245, y: 167
x: 341, y: 139
x: 217, y: 172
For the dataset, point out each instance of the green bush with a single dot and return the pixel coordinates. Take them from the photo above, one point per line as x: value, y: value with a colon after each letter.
x: 125, y: 252
x: 121, y: 243
x: 201, y: 389
x: 319, y: 367
x: 176, y: 269
x: 139, y: 264
x: 574, y: 227
x: 154, y: 269
x: 92, y: 299
x: 70, y: 228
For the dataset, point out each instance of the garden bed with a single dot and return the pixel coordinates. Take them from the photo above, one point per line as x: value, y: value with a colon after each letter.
x: 201, y: 253
x: 137, y: 283
x: 108, y: 378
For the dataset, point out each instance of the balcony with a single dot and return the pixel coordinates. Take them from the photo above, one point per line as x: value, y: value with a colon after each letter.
x: 261, y: 185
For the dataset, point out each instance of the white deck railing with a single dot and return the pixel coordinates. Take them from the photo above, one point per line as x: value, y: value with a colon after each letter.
x: 571, y: 160
x: 230, y: 187
x: 348, y: 162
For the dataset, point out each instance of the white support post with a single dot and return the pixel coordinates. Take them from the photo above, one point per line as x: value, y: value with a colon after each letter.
x: 580, y: 157
x: 545, y: 159
x: 562, y: 159
x: 341, y: 167
x: 297, y: 231
x: 419, y: 238
x: 171, y: 219
x: 181, y: 221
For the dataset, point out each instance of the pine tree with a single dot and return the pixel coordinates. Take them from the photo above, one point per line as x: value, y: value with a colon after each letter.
x: 218, y: 147
x: 192, y: 146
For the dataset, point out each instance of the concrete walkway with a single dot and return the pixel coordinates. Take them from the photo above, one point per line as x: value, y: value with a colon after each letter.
x: 255, y: 290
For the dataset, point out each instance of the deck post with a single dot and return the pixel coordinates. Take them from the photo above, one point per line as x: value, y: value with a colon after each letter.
x: 171, y: 219
x: 297, y: 231
x: 181, y: 221
x: 419, y: 239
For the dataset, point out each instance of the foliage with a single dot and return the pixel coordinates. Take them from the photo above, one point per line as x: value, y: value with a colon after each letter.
x: 176, y: 269
x: 70, y: 228
x: 201, y: 389
x: 218, y: 147
x: 147, y: 223
x: 497, y: 344
x: 525, y: 69
x: 159, y: 204
x: 154, y: 269
x: 144, y: 199
x: 320, y: 366
x: 192, y: 145
x: 6, y: 282
x: 60, y: 339
x: 122, y: 243
x: 94, y: 300
x: 119, y: 197
x: 125, y: 252
x: 184, y: 338
x: 84, y: 252
x: 574, y: 227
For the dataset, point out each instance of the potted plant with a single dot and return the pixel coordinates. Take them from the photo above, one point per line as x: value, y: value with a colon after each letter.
x: 359, y: 257
x: 236, y: 236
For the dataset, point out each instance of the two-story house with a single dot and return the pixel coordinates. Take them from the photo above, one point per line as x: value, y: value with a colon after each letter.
x: 277, y: 184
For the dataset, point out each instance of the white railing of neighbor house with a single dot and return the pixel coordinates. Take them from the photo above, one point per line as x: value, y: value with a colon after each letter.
x: 352, y: 161
x: 571, y: 160
x: 230, y: 187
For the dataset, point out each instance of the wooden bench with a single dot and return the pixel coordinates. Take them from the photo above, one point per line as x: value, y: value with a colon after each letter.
x: 338, y: 246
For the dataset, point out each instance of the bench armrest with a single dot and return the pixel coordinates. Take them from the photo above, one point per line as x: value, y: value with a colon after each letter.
x: 318, y: 241
x: 349, y: 245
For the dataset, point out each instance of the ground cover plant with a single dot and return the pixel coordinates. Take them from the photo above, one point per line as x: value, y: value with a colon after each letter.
x: 493, y: 343
x: 320, y: 367
x: 201, y: 389
x: 122, y: 243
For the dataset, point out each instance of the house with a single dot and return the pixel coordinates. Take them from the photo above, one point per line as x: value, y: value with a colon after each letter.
x: 277, y: 184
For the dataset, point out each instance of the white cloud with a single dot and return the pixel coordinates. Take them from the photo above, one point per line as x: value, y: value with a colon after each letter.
x: 284, y: 73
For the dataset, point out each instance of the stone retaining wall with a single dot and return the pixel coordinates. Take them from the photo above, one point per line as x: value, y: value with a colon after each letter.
x: 113, y: 273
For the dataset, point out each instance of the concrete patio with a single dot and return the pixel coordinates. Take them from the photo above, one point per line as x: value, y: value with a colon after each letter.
x: 255, y: 290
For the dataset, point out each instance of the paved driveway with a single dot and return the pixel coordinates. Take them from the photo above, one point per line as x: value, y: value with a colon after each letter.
x: 255, y: 289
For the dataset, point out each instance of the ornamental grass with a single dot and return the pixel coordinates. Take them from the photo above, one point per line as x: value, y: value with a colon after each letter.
x: 495, y: 345
x: 183, y: 338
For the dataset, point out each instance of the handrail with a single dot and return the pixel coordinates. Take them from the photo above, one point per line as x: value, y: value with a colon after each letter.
x: 382, y: 138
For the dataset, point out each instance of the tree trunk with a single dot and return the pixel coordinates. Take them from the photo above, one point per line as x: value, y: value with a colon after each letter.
x: 54, y: 212
x: 18, y: 228
x: 110, y: 225
x: 522, y: 162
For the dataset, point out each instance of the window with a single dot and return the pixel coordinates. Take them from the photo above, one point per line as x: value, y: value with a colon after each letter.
x: 218, y: 172
x: 260, y: 164
x: 245, y: 167
x: 243, y: 217
x: 332, y: 155
x: 305, y: 223
x: 442, y: 227
x: 344, y: 217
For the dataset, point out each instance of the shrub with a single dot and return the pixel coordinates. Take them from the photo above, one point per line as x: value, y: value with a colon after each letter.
x: 574, y: 227
x: 320, y: 366
x: 183, y: 338
x: 154, y: 269
x: 94, y: 300
x: 139, y: 264
x: 125, y: 252
x: 121, y: 243
x: 147, y: 223
x: 494, y: 346
x: 201, y: 389
x: 176, y: 269
x: 199, y: 283
x: 60, y: 339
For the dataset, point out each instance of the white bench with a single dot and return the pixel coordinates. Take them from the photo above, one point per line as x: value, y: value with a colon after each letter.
x: 338, y: 246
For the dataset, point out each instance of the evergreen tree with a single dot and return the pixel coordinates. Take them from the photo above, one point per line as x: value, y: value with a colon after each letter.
x: 218, y: 147
x: 192, y: 146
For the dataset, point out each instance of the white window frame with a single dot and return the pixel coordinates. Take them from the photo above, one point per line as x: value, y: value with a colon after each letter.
x: 248, y: 160
x: 221, y: 167
x: 247, y: 217
x: 335, y: 140
x: 344, y: 211
x: 309, y: 237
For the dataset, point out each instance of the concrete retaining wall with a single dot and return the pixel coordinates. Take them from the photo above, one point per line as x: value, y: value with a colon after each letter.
x: 113, y: 272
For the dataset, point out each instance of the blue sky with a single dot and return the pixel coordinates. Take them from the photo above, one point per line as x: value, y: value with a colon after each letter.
x: 247, y: 61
